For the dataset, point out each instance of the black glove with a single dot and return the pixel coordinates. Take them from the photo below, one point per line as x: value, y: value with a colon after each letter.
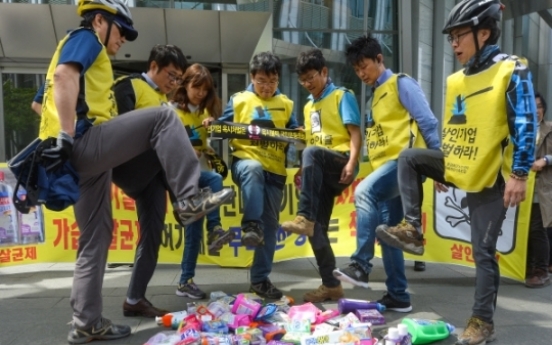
x: 54, y: 157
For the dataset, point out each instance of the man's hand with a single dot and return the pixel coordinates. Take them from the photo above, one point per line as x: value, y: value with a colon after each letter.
x: 56, y: 156
x: 514, y: 193
x: 538, y: 164
x: 348, y: 173
x: 207, y: 122
x: 439, y: 187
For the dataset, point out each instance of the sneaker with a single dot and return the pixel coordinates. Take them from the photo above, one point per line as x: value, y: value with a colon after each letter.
x: 217, y: 238
x: 103, y: 330
x: 265, y: 289
x: 403, y: 236
x: 252, y: 235
x: 353, y: 274
x: 189, y: 210
x: 115, y: 265
x: 392, y: 304
x: 477, y: 332
x: 324, y: 293
x: 300, y: 226
x: 419, y: 266
x: 190, y: 289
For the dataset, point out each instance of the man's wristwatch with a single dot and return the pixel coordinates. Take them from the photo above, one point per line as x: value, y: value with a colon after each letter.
x: 519, y: 175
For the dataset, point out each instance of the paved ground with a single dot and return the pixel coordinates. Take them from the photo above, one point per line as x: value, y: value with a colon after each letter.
x: 34, y: 299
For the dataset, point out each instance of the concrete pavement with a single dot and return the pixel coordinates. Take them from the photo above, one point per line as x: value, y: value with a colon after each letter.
x: 34, y: 299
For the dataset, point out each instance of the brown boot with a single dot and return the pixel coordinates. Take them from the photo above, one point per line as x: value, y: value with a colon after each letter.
x: 324, y: 293
x: 538, y: 279
x: 403, y: 236
x: 477, y: 332
x: 300, y: 225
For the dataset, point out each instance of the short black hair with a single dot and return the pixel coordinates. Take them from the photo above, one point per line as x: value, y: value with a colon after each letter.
x: 543, y: 102
x: 491, y: 24
x: 167, y: 54
x: 310, y: 60
x: 364, y: 47
x: 265, y: 62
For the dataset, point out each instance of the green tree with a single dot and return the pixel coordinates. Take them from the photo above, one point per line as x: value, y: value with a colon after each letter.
x: 20, y: 121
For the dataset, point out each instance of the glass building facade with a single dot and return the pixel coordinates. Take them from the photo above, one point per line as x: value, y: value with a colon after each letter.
x: 298, y: 25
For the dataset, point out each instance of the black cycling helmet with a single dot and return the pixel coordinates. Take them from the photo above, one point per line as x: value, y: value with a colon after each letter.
x: 473, y: 12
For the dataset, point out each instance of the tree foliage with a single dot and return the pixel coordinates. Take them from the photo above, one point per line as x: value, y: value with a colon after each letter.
x: 20, y: 121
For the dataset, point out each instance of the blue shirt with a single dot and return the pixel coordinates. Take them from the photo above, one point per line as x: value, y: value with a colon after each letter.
x: 39, y: 94
x: 348, y: 107
x: 228, y: 114
x: 81, y: 48
x: 414, y: 101
x: 521, y: 109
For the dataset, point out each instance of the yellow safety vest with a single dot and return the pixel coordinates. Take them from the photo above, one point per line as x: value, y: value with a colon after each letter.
x: 96, y: 100
x: 475, y: 128
x: 391, y: 128
x: 146, y: 96
x: 323, y: 125
x: 276, y: 112
x: 193, y: 124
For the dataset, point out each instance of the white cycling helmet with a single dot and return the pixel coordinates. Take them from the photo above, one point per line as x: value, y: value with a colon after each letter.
x: 119, y: 10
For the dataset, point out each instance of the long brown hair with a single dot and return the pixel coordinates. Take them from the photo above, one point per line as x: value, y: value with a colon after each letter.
x: 198, y: 75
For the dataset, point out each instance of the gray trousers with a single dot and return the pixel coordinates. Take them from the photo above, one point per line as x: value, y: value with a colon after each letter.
x: 99, y: 150
x: 487, y: 212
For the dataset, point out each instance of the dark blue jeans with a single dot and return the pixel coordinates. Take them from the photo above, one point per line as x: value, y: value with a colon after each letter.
x: 321, y: 171
x: 193, y: 233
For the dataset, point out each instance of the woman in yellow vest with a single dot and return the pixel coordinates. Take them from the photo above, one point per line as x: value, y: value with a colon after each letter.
x: 489, y: 122
x: 196, y: 102
x: 329, y: 164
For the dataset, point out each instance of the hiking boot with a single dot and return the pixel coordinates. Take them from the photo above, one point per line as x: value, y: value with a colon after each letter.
x: 252, y: 235
x: 189, y: 210
x: 102, y: 330
x: 419, y: 266
x: 265, y: 289
x: 324, y: 293
x: 217, y: 238
x: 403, y: 236
x: 539, y: 278
x: 477, y: 332
x: 300, y: 226
x: 353, y: 274
x: 190, y: 289
x: 142, y: 308
x: 392, y: 304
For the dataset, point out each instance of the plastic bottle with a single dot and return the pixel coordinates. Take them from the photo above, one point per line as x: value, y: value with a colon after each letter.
x: 8, y: 214
x: 427, y: 331
x: 406, y: 338
x: 392, y: 336
x: 171, y: 319
x: 347, y: 305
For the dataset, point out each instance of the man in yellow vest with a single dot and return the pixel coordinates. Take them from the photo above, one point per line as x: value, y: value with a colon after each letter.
x: 399, y: 118
x: 80, y: 110
x: 489, y: 127
x: 329, y: 164
x: 258, y: 166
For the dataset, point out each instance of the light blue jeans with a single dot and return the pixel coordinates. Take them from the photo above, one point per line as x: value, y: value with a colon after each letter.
x: 377, y: 201
x: 262, y: 194
x: 193, y: 233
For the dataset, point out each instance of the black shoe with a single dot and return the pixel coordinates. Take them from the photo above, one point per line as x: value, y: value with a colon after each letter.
x: 115, y: 265
x: 189, y: 210
x: 103, y: 330
x: 265, y: 289
x: 419, y: 266
x: 252, y: 235
x: 392, y: 304
x: 353, y: 274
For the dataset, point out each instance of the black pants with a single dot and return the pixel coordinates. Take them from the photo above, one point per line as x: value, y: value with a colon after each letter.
x: 538, y: 247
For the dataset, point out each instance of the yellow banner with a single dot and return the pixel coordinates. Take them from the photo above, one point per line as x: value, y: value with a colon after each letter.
x: 445, y: 223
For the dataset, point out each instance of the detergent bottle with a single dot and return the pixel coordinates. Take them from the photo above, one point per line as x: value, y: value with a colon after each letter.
x: 427, y: 331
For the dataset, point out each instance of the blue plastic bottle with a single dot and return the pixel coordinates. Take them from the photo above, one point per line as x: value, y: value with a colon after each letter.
x: 427, y: 331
